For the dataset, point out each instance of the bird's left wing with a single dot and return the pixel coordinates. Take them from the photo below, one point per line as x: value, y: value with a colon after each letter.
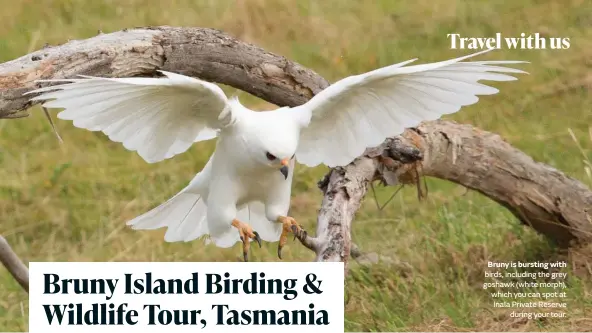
x: 157, y: 117
x: 360, y: 111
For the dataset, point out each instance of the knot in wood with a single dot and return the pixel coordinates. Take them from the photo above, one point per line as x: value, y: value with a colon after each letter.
x: 271, y: 70
x: 402, y: 151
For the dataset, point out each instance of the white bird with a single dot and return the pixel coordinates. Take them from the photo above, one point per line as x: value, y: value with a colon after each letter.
x: 246, y: 183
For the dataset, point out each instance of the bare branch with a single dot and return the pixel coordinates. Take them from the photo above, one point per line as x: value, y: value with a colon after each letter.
x: 205, y: 53
x: 541, y: 197
x: 344, y: 189
x: 13, y: 264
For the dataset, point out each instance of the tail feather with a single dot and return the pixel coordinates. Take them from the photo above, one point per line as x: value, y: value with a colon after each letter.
x: 183, y: 214
x: 227, y: 239
x: 254, y: 214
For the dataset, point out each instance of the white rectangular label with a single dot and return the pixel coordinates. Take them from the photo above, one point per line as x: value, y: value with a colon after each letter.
x: 186, y: 297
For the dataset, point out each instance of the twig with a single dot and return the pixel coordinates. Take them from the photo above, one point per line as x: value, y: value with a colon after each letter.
x: 13, y: 264
x: 48, y: 116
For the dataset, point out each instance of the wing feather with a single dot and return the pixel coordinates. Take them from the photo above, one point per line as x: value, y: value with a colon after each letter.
x: 361, y: 111
x: 157, y: 117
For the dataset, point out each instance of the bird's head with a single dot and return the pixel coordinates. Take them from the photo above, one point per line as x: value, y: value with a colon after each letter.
x: 277, y: 151
x: 281, y: 163
x: 274, y: 144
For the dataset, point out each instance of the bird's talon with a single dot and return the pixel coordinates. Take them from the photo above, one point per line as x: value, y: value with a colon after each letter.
x: 257, y: 238
x: 289, y: 225
x: 246, y: 232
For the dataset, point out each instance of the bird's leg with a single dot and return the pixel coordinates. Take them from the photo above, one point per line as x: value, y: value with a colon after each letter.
x: 289, y: 225
x: 246, y: 234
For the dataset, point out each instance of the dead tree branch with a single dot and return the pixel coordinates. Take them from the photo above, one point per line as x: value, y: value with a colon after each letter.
x: 13, y: 264
x: 539, y: 196
x: 205, y: 53
x: 542, y: 197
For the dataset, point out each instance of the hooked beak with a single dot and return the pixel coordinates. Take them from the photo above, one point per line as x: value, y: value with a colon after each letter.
x: 284, y: 169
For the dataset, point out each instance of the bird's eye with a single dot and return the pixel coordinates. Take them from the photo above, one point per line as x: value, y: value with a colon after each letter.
x: 270, y: 157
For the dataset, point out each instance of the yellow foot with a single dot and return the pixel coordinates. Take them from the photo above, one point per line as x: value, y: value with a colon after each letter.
x: 246, y: 233
x: 289, y: 225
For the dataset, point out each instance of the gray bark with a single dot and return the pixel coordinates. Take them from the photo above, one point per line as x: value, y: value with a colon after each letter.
x: 541, y: 197
x: 205, y: 53
x: 13, y: 264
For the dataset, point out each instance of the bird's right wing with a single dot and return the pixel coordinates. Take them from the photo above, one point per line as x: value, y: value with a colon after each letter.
x: 360, y: 111
x: 157, y: 117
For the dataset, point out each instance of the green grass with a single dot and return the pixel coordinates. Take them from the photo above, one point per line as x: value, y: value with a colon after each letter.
x: 70, y: 202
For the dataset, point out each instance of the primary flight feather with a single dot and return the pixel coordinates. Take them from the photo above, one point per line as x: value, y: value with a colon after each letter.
x: 243, y: 192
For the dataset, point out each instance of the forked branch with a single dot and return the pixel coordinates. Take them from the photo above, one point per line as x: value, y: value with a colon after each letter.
x: 541, y: 197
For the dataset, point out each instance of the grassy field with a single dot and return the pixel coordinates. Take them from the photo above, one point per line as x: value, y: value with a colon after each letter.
x: 70, y: 202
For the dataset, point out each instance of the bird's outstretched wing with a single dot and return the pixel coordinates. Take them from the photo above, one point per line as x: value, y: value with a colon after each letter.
x: 157, y: 117
x: 361, y: 111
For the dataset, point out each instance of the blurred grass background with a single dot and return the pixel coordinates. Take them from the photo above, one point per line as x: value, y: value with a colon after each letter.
x: 70, y: 202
